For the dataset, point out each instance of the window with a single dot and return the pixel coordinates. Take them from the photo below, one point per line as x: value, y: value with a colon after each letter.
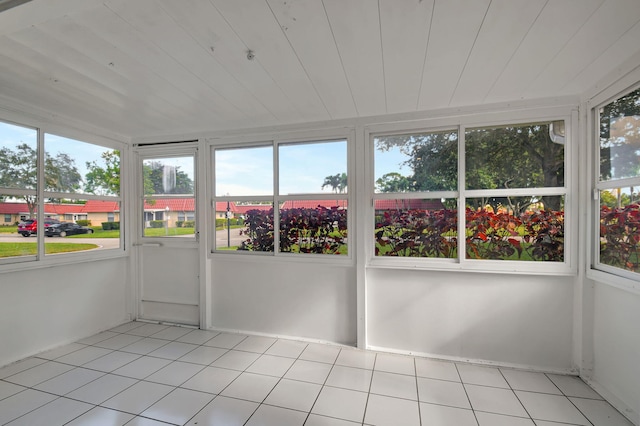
x: 507, y: 191
x: 169, y: 190
x: 282, y: 197
x: 62, y: 204
x: 618, y: 185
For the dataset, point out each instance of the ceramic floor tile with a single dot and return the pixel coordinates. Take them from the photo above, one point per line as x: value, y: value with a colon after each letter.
x: 287, y: 348
x: 145, y: 346
x: 256, y: 344
x: 395, y: 385
x: 92, y: 340
x: 271, y: 365
x: 19, y: 366
x: 128, y: 326
x: 250, y: 387
x: 356, y: 358
x: 267, y: 415
x: 118, y: 342
x: 350, y: 378
x: 211, y: 379
x: 173, y: 350
x: 57, y: 412
x: 442, y: 392
x: 143, y: 421
x: 490, y: 419
x: 142, y: 367
x: 388, y: 411
x: 554, y: 408
x: 293, y: 394
x: 204, y: 355
x: 138, y: 397
x: 317, y: 420
x: 197, y: 337
x: 320, y: 353
x: 309, y: 371
x: 178, y: 406
x: 39, y: 374
x: 441, y: 415
x: 573, y: 386
x: 226, y: 340
x: 435, y: 369
x: 101, y: 389
x: 398, y: 364
x: 7, y: 389
x: 111, y: 361
x: 99, y: 416
x: 480, y: 375
x: 84, y: 355
x: 61, y: 351
x: 147, y: 330
x: 172, y: 333
x: 495, y: 400
x: 69, y: 381
x: 175, y: 373
x: 341, y: 403
x: 224, y: 411
x: 600, y: 413
x: 22, y: 403
x: 530, y: 381
x: 236, y: 360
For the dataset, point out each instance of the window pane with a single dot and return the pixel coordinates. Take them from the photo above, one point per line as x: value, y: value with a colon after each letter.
x: 521, y: 156
x: 620, y: 138
x: 244, y: 171
x: 620, y: 229
x: 256, y: 234
x: 163, y: 176
x: 416, y: 162
x: 12, y: 243
x: 18, y: 146
x: 82, y: 225
x: 416, y: 228
x: 312, y: 168
x: 314, y: 226
x: 534, y: 232
x: 80, y: 167
x: 164, y: 217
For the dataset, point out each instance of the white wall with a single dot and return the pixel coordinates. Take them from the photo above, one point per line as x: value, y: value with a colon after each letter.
x: 288, y: 298
x: 506, y: 319
x: 616, y: 347
x: 47, y: 307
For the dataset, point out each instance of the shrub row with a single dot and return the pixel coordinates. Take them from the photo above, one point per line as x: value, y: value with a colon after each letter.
x: 108, y: 226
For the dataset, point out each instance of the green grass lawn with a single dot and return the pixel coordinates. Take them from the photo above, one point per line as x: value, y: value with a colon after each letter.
x: 8, y: 229
x: 30, y: 249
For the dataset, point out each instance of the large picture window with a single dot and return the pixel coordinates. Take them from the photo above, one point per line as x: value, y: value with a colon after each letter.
x: 282, y: 197
x: 618, y: 185
x: 497, y: 193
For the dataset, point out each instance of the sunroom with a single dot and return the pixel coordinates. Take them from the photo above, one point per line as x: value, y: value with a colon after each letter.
x: 320, y: 212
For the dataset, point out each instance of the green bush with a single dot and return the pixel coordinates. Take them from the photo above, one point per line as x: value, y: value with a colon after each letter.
x: 189, y: 224
x: 107, y: 226
x: 115, y: 225
x: 179, y: 223
x: 156, y: 224
x: 83, y: 222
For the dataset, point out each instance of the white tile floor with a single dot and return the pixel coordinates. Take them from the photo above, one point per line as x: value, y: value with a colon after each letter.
x: 150, y: 375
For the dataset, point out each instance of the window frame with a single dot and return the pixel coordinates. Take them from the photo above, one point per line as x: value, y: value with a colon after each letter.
x: 275, y: 141
x: 40, y: 260
x: 612, y: 275
x: 461, y: 124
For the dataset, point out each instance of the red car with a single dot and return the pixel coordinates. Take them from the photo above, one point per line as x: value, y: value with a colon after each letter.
x: 30, y: 226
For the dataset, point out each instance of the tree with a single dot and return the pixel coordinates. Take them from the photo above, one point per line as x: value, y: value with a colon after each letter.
x: 337, y: 182
x: 18, y: 170
x: 104, y: 180
x: 393, y: 182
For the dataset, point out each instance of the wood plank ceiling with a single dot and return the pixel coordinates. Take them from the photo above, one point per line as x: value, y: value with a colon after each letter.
x: 164, y: 67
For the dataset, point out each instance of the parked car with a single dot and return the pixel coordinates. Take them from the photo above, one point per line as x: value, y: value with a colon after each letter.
x: 63, y: 229
x: 30, y: 226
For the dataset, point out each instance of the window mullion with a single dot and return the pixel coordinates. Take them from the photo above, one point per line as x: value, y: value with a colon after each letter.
x: 462, y: 241
x: 40, y: 173
x: 276, y: 199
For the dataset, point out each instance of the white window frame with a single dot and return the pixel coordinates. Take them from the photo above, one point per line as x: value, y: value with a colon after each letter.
x: 274, y: 141
x: 494, y: 119
x: 612, y: 275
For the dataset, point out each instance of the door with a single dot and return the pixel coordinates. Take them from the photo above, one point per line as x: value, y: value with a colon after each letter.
x: 167, y: 236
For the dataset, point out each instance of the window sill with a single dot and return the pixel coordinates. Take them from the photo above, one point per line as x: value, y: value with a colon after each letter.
x: 53, y: 261
x: 612, y: 280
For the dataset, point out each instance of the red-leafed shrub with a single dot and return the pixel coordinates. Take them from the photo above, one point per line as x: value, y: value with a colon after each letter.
x: 620, y: 237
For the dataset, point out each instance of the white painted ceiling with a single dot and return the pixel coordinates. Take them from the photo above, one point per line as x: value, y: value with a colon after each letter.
x: 142, y: 68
